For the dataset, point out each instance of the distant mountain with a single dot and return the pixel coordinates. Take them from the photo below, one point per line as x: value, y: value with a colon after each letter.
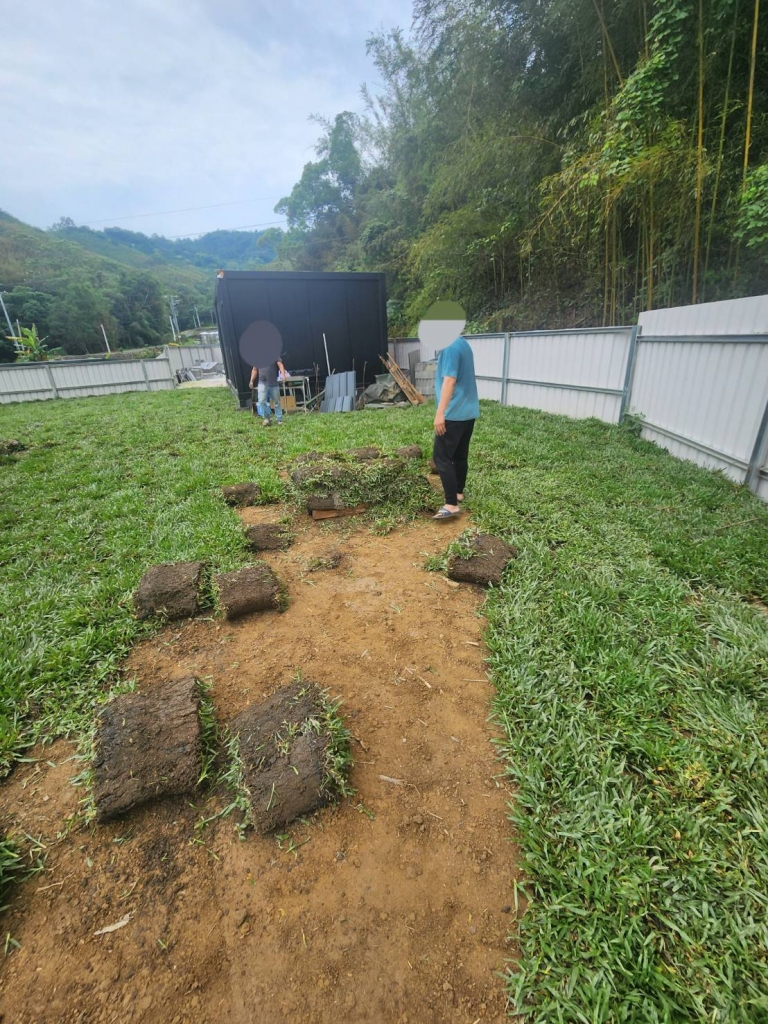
x: 70, y: 280
x: 233, y: 250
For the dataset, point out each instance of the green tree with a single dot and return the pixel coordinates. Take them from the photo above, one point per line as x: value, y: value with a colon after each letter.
x: 137, y: 309
x: 29, y: 306
x: 8, y: 351
x: 76, y: 318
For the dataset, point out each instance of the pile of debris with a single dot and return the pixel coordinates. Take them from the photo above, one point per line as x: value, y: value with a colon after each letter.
x: 385, y: 391
x: 391, y: 388
x: 332, y: 484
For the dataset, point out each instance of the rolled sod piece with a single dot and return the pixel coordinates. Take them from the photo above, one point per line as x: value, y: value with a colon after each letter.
x: 267, y: 537
x: 242, y: 495
x: 147, y: 746
x: 253, y: 589
x: 410, y: 451
x: 170, y: 589
x: 282, y: 746
x: 484, y: 566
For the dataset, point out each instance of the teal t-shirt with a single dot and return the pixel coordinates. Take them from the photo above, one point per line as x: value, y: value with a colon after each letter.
x: 457, y: 361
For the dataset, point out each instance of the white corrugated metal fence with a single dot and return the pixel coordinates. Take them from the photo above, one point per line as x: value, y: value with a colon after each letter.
x: 71, y: 378
x: 696, y: 375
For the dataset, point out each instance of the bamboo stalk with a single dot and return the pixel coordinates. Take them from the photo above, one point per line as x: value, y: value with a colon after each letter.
x: 699, y: 158
x: 609, y: 44
x: 614, y: 269
x: 721, y: 143
x: 649, y: 304
x: 750, y: 97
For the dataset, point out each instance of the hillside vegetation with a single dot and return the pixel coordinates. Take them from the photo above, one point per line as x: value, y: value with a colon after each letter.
x: 556, y: 162
x: 70, y: 280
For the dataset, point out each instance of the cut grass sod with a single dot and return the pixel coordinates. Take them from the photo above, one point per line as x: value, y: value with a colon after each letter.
x: 628, y: 645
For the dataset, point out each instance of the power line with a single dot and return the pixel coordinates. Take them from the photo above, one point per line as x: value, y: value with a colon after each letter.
x: 186, y: 209
x: 241, y: 227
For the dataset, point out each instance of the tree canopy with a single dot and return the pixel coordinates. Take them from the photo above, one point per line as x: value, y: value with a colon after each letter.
x: 550, y: 161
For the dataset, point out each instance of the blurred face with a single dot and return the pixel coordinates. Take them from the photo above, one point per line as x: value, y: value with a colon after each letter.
x: 437, y: 334
x: 260, y: 344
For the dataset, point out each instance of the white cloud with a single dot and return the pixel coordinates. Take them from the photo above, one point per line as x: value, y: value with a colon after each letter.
x: 150, y: 105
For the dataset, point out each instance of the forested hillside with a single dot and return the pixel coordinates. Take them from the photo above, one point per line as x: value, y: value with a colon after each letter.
x: 70, y: 280
x: 237, y: 250
x: 557, y: 162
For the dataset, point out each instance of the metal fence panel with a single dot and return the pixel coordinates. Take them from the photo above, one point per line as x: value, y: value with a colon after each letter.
x: 594, y: 360
x: 565, y: 401
x: 78, y: 380
x: 28, y: 383
x: 488, y: 354
x: 730, y: 316
x: 702, y: 400
x: 189, y: 355
x: 159, y: 374
x: 577, y: 373
x: 400, y: 348
x: 761, y: 489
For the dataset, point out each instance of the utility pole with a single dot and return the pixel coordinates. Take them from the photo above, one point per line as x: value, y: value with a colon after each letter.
x: 106, y: 340
x: 173, y: 329
x: 197, y: 317
x: 7, y: 318
x: 173, y: 305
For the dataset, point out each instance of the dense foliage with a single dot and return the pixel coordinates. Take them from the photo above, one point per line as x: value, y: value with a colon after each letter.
x: 558, y: 161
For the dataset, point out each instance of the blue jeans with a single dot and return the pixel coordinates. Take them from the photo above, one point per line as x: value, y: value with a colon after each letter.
x: 264, y: 395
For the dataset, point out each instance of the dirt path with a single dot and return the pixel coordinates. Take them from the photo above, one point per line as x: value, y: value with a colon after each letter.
x: 393, y: 907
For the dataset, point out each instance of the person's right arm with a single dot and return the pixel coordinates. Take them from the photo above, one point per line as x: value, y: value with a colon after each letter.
x: 254, y: 376
x: 446, y: 394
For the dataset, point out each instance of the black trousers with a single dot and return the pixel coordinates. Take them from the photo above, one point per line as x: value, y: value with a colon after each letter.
x: 450, y: 456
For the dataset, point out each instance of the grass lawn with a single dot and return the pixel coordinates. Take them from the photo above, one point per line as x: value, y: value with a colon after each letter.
x: 631, y: 668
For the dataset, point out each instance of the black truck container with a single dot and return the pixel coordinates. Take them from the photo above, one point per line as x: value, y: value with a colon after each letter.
x: 350, y: 309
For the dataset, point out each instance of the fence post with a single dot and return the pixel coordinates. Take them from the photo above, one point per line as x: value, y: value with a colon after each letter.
x: 504, y: 373
x: 51, y: 381
x: 630, y: 373
x: 146, y: 377
x: 752, y: 478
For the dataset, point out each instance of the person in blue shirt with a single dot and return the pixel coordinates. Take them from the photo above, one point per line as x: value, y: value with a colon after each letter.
x: 457, y: 409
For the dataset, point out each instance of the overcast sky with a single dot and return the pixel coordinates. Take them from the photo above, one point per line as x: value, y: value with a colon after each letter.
x: 111, y: 109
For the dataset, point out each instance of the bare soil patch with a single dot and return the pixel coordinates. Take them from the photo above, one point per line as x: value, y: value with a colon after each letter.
x: 394, y: 906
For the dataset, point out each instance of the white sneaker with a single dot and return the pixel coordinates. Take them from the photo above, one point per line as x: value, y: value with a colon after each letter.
x: 267, y: 423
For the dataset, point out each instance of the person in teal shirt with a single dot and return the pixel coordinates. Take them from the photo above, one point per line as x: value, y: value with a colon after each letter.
x: 457, y: 409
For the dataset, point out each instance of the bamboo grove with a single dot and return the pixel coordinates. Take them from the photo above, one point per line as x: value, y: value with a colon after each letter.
x: 550, y: 161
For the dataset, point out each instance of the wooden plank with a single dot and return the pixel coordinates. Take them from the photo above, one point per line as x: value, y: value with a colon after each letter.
x: 414, y: 397
x: 335, y: 513
x: 413, y: 394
